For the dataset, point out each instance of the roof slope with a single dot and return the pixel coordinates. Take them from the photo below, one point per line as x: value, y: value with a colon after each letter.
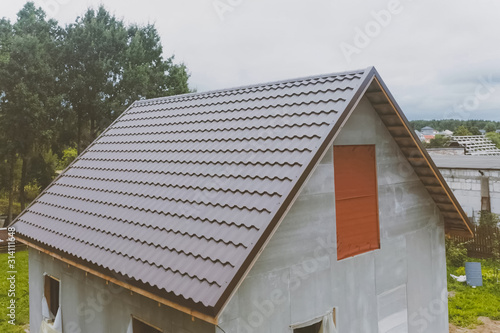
x: 180, y: 194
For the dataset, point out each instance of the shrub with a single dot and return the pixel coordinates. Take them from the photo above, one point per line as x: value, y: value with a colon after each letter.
x: 69, y: 155
x: 456, y: 253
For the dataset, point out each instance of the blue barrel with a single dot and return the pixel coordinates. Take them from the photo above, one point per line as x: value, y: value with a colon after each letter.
x: 473, y: 274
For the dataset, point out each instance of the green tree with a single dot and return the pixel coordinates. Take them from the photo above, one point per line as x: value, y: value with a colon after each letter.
x: 490, y: 127
x: 462, y: 131
x: 110, y: 65
x: 438, y: 141
x: 474, y: 130
x: 29, y: 91
x: 495, y: 137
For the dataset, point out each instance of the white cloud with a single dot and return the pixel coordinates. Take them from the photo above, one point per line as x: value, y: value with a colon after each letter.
x: 431, y: 54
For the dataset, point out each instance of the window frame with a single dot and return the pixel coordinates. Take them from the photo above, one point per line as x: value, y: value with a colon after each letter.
x: 141, y: 321
x: 48, y: 289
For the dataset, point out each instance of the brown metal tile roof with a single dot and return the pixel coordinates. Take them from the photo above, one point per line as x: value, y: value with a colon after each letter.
x: 181, y: 193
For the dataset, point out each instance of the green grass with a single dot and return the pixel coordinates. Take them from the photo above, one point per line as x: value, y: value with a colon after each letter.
x: 470, y: 303
x: 22, y: 294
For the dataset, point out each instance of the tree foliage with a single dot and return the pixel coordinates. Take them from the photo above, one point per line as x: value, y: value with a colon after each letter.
x: 453, y: 124
x: 495, y: 137
x: 110, y: 65
x: 60, y: 87
x: 462, y: 131
x: 438, y: 141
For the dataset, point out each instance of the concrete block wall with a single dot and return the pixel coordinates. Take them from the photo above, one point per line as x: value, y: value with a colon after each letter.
x: 399, y: 288
x: 90, y: 305
x: 466, y: 185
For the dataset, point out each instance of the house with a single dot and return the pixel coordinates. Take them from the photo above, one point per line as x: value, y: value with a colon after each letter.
x: 303, y: 205
x: 420, y: 136
x: 427, y: 130
x: 446, y: 133
x: 474, y: 180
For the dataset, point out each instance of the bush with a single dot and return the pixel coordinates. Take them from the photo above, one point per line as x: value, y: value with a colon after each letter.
x: 456, y: 253
x: 69, y: 155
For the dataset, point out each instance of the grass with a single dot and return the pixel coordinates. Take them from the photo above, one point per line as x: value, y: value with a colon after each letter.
x: 469, y: 303
x: 22, y: 293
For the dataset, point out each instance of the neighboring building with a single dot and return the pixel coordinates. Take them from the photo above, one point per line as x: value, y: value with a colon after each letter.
x: 475, y: 180
x: 450, y: 148
x: 428, y: 138
x: 446, y: 133
x: 446, y: 151
x: 427, y: 130
x: 420, y: 135
x: 477, y: 145
x: 290, y: 206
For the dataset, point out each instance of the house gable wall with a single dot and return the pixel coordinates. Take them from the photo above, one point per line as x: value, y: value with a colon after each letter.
x: 398, y: 288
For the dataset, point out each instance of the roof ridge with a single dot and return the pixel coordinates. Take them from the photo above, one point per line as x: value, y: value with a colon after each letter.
x: 254, y: 85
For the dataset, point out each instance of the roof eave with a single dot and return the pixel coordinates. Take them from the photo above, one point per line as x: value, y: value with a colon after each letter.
x: 202, y: 314
x: 428, y: 160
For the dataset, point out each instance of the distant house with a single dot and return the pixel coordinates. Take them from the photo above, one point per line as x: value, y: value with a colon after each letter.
x: 446, y: 133
x: 420, y: 136
x: 428, y: 138
x: 427, y: 130
x: 303, y: 205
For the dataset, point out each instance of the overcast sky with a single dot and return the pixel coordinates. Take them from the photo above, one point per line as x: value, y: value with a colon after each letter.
x: 440, y: 59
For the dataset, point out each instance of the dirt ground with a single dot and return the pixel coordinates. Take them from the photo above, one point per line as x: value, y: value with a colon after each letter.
x: 490, y: 326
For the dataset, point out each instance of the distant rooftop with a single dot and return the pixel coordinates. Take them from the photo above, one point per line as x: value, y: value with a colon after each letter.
x: 467, y: 162
x: 477, y: 145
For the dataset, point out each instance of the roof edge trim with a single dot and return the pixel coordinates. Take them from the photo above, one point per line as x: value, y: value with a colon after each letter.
x: 423, y: 151
x: 137, y: 290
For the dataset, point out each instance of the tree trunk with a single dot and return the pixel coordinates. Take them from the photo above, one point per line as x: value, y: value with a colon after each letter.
x: 79, y: 133
x: 12, y: 165
x: 92, y: 127
x: 24, y: 176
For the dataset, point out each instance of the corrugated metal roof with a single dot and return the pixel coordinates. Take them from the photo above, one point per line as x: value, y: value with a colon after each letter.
x: 181, y: 193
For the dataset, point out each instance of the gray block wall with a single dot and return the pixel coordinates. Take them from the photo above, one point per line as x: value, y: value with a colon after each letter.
x: 466, y: 185
x: 89, y: 305
x: 399, y: 288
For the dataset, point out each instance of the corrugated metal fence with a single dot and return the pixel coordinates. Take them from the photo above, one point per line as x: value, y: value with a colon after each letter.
x: 483, y: 244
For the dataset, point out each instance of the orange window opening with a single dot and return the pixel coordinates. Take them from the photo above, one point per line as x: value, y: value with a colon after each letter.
x: 356, y: 200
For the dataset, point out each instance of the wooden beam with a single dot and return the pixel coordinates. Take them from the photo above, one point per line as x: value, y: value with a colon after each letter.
x: 191, y: 312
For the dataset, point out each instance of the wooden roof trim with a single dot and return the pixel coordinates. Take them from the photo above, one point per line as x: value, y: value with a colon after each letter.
x: 107, y: 278
x: 425, y: 155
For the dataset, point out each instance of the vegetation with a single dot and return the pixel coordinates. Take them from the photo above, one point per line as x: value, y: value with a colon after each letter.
x: 438, y: 141
x: 462, y: 131
x: 452, y: 124
x: 495, y: 137
x: 466, y: 304
x: 22, y: 293
x: 61, y: 87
